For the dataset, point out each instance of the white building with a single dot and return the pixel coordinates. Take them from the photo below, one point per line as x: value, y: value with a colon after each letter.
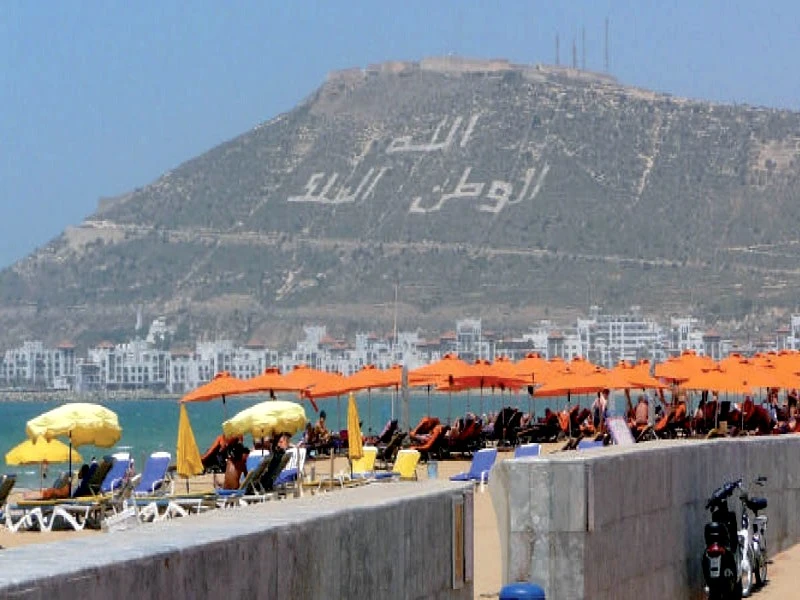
x: 605, y: 339
x: 33, y: 365
x: 130, y: 366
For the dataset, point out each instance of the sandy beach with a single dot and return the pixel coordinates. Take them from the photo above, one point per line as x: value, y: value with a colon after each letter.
x: 487, y: 543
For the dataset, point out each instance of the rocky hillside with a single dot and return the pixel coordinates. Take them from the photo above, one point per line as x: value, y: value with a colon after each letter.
x: 478, y: 187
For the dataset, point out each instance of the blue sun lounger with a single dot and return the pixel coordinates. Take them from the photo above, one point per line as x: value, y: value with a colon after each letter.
x: 154, y: 475
x: 482, y: 462
x: 526, y: 450
x: 115, y: 476
x: 589, y: 444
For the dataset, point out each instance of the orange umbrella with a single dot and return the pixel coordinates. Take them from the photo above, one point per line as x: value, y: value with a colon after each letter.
x: 302, y: 378
x: 367, y: 378
x: 223, y: 384
x: 445, y: 368
x: 569, y: 382
x: 717, y: 380
x: 684, y: 366
x: 443, y: 371
x: 483, y: 374
x: 270, y: 380
x: 533, y: 367
x: 762, y: 376
x: 581, y: 365
x: 634, y: 376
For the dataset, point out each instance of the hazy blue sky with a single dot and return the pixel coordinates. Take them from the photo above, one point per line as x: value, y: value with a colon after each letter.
x: 97, y: 98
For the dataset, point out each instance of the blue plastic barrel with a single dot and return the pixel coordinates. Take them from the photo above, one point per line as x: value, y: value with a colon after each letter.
x: 522, y: 591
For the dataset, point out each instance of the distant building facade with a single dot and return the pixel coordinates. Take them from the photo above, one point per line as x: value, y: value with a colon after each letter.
x: 145, y: 364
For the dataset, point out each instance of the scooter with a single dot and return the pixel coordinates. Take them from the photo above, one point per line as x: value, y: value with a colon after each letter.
x: 734, y: 559
x: 755, y: 537
x: 722, y: 557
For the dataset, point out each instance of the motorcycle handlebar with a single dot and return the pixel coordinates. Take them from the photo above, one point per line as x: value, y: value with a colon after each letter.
x: 723, y: 492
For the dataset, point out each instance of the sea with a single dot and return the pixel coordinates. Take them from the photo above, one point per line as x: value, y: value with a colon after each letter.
x: 152, y: 425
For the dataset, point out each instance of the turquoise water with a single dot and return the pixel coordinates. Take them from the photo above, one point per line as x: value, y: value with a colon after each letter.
x: 151, y: 425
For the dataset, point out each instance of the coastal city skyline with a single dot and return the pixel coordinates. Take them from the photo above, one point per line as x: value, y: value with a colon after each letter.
x: 148, y: 363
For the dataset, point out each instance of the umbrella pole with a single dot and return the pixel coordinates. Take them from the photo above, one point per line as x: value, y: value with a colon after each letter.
x: 569, y: 415
x: 369, y: 410
x: 449, y: 406
x: 429, y: 403
x: 70, y: 464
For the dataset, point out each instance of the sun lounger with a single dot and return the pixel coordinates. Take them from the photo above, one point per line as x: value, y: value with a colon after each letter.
x: 364, y: 467
x: 7, y: 483
x: 482, y: 462
x: 526, y: 450
x: 91, y: 484
x: 293, y: 470
x: 154, y: 475
x: 589, y: 444
x: 115, y: 476
x: 432, y: 444
x: 404, y: 467
x: 249, y: 490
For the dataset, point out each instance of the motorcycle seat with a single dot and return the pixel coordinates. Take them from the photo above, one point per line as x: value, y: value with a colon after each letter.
x: 756, y: 504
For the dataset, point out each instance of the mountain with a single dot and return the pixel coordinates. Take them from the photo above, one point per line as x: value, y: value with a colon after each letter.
x: 477, y: 187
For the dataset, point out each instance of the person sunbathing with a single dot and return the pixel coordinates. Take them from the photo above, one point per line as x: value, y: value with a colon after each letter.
x: 59, y: 489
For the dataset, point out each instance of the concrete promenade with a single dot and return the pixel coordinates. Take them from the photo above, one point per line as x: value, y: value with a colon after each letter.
x: 386, y: 540
x: 627, y: 522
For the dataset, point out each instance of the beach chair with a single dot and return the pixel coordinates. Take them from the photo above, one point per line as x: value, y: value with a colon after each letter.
x: 249, y: 490
x: 95, y: 478
x: 254, y: 459
x: 404, y: 468
x: 526, y: 450
x: 290, y: 474
x: 364, y: 467
x: 589, y: 444
x: 482, y: 462
x: 6, y: 485
x: 115, y: 475
x: 387, y: 453
x: 13, y: 516
x: 154, y: 475
x: 433, y: 444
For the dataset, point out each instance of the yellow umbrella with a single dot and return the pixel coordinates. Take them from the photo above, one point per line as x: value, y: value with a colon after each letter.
x: 81, y: 422
x: 267, y: 419
x: 355, y: 445
x: 189, y: 462
x: 41, y: 451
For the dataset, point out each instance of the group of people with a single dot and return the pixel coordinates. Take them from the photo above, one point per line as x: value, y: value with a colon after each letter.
x: 236, y: 462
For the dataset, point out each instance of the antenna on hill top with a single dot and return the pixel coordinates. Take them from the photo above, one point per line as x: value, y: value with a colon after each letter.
x: 583, y: 48
x: 606, y: 51
x: 574, y: 54
x: 558, y: 59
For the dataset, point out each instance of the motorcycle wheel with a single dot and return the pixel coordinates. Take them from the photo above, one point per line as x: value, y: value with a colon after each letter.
x: 748, y: 577
x: 761, y: 571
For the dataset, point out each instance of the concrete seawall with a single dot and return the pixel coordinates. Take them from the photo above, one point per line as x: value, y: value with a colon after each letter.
x: 392, y: 540
x: 627, y: 522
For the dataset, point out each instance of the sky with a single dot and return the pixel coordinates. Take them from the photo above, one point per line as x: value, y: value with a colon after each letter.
x: 98, y: 98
